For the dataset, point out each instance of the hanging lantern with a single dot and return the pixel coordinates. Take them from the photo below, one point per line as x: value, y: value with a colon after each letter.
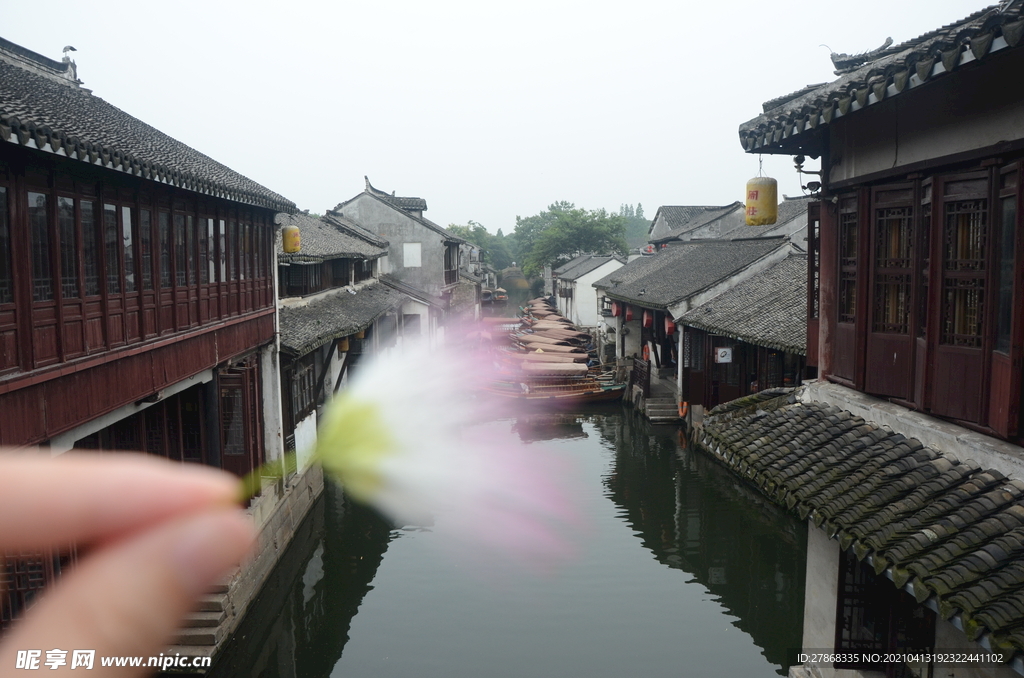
x: 648, y: 319
x: 629, y: 313
x: 670, y: 327
x: 292, y: 240
x: 616, y: 309
x: 361, y: 334
x: 343, y: 345
x: 762, y: 201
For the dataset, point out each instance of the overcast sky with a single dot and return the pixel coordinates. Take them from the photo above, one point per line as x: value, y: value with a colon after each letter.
x: 487, y: 110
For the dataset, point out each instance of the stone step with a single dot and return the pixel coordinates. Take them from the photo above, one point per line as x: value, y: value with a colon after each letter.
x: 204, y: 619
x: 212, y: 603
x: 197, y: 636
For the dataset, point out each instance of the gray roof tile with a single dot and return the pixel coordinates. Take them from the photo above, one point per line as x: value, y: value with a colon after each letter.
x: 684, y: 269
x: 767, y: 309
x: 326, y: 238
x: 789, y: 121
x: 46, y: 113
x: 953, y: 530
x: 304, y: 328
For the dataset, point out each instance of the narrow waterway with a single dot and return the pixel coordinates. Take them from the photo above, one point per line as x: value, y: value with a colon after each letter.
x: 682, y: 570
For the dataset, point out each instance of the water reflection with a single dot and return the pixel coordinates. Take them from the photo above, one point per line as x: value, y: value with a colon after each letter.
x: 336, y: 606
x: 695, y: 515
x: 299, y: 624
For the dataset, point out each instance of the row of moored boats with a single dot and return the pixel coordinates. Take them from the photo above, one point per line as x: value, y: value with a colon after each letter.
x: 542, y: 356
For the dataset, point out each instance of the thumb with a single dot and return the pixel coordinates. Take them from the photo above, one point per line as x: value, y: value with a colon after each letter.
x: 128, y: 598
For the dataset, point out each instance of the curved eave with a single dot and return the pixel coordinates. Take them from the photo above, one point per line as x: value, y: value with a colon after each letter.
x: 42, y: 138
x: 320, y: 258
x: 800, y: 132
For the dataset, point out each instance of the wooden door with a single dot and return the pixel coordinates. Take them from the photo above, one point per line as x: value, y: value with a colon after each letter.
x: 961, y: 255
x: 889, y: 349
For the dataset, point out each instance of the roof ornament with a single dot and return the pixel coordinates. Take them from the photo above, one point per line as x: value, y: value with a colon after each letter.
x: 847, y: 63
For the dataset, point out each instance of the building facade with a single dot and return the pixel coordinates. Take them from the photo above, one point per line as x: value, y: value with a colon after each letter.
x: 916, y: 327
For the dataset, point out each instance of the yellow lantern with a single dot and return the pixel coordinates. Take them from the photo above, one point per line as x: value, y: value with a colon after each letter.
x: 292, y: 239
x: 762, y: 201
x: 343, y: 345
x: 361, y: 334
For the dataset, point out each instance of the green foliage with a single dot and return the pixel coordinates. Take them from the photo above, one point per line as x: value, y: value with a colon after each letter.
x: 636, y: 224
x: 564, y: 232
x: 494, y: 248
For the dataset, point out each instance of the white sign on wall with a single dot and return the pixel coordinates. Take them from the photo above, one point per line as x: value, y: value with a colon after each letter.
x: 723, y: 354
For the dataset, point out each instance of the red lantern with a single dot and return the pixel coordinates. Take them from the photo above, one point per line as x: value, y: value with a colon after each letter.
x: 648, y: 319
x: 616, y: 309
x: 670, y: 327
x: 629, y: 313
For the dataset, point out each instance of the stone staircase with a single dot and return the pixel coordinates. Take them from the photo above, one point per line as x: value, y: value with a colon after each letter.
x: 203, y: 629
x: 661, y: 409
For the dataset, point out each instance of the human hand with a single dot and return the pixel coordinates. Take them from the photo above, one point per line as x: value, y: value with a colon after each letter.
x: 155, y: 536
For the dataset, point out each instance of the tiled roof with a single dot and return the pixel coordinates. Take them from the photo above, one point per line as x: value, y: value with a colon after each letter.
x: 767, y: 309
x: 324, y: 238
x: 731, y: 223
x: 414, y: 292
x: 788, y: 122
x: 951, y: 533
x: 405, y: 203
x: 390, y: 201
x: 60, y: 117
x: 684, y: 269
x: 582, y: 265
x: 570, y: 264
x: 683, y: 218
x: 304, y: 328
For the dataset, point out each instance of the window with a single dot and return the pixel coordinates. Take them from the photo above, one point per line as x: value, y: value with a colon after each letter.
x: 848, y: 244
x: 874, y: 616
x: 190, y: 248
x: 963, y: 272
x: 165, y: 249
x: 179, y: 250
x: 39, y: 232
x: 205, y: 262
x: 91, y: 248
x: 146, y: 247
x: 223, y: 250
x: 1004, y: 274
x: 411, y: 255
x: 110, y: 243
x: 894, y: 234
x: 68, y: 247
x: 6, y: 293
x: 411, y: 324
x: 925, y: 260
x: 126, y: 243
x: 340, y: 272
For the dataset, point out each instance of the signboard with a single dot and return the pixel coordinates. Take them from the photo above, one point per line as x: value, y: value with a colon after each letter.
x: 723, y: 354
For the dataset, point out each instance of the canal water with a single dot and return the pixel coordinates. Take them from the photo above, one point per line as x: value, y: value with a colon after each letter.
x: 681, y: 570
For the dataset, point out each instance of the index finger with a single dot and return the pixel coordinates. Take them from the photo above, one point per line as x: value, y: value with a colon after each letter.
x: 83, y: 497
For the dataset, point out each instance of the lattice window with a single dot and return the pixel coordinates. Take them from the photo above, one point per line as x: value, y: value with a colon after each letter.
x: 893, y: 269
x: 146, y: 248
x: 923, y: 273
x: 180, y: 250
x: 965, y: 237
x: 164, y: 229
x: 111, y: 243
x: 129, y: 249
x: 91, y: 251
x: 22, y: 577
x: 68, y: 247
x: 6, y: 294
x: 848, y: 248
x: 39, y: 229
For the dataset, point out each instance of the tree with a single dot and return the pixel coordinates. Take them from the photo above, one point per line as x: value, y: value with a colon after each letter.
x: 636, y: 224
x: 494, y: 249
x: 564, y: 232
